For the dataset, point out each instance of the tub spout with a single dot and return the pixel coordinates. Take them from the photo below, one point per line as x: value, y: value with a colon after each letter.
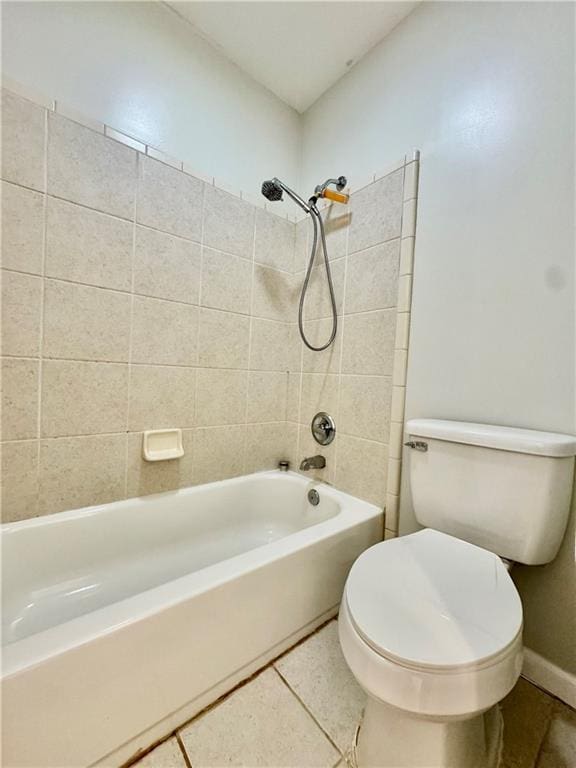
x: 313, y: 462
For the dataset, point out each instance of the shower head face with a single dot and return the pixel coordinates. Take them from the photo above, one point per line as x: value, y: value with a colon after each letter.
x: 271, y: 191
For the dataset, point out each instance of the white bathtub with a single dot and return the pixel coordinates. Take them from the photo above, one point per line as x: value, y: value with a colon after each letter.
x: 120, y: 622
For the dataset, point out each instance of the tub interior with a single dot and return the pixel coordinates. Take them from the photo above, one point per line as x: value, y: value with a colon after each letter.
x: 64, y: 566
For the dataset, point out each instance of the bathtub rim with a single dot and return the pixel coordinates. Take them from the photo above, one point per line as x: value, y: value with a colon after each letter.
x: 82, y: 630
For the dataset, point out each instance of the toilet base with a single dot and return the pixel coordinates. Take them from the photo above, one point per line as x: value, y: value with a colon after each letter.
x: 391, y: 738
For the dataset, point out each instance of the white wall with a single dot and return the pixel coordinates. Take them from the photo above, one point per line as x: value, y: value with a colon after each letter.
x: 486, y: 92
x: 140, y: 69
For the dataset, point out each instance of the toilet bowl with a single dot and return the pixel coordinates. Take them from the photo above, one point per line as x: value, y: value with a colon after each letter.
x: 431, y: 627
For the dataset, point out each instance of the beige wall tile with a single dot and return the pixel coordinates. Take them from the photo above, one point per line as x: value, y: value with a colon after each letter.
x: 398, y: 398
x: 85, y: 323
x: 317, y: 302
x: 221, y: 397
x: 22, y: 229
x: 411, y: 180
x: 261, y: 723
x: 409, y: 219
x: 365, y: 407
x: 376, y: 212
x: 274, y: 294
x: 336, y: 218
x: 86, y: 246
x: 164, y: 333
x: 392, y: 507
x: 402, y: 330
x: 169, y: 199
x: 19, y: 480
x: 83, y: 398
x: 164, y: 157
x: 362, y: 468
x: 223, y: 339
x: 167, y: 755
x: 405, y: 293
x: 266, y: 445
x: 369, y: 343
x: 396, y: 437
x: 296, y: 346
x: 269, y: 346
x: 274, y: 241
x: 372, y: 278
x: 319, y: 393
x: 81, y: 471
x: 318, y: 332
x: 21, y: 314
x: 393, y: 482
x: 407, y: 256
x: 400, y: 367
x: 20, y: 385
x: 226, y: 281
x: 167, y: 267
x: 267, y: 393
x: 293, y: 396
x: 219, y: 453
x: 146, y: 477
x: 161, y: 397
x: 303, y: 234
x: 23, y: 141
x: 88, y: 168
x: 292, y: 432
x: 228, y: 223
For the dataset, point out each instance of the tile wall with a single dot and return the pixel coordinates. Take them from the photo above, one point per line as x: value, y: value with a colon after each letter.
x: 138, y: 296
x: 360, y: 380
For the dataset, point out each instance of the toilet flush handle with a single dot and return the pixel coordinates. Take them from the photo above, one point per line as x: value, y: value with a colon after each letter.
x: 418, y: 445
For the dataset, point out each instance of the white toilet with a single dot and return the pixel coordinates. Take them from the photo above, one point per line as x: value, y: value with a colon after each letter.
x: 431, y: 623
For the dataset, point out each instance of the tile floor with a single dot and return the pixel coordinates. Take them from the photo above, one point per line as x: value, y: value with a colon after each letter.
x: 303, y: 709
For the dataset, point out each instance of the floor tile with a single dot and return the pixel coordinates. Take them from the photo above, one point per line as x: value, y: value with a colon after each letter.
x: 317, y: 672
x: 260, y: 724
x: 167, y: 755
x: 527, y: 711
x: 559, y: 747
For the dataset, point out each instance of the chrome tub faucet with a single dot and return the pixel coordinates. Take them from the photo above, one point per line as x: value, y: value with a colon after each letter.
x: 313, y: 462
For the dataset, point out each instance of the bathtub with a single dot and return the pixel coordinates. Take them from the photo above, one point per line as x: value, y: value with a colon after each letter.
x: 121, y: 622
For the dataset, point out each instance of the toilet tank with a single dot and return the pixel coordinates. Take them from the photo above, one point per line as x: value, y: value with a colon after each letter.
x: 504, y: 489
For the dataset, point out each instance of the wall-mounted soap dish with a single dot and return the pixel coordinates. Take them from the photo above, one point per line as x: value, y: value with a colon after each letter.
x: 162, y: 445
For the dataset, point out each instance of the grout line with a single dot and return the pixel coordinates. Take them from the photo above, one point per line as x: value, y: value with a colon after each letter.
x: 198, y: 326
x: 192, y: 367
x: 182, y: 749
x: 250, y: 339
x: 308, y: 712
x: 42, y: 319
x: 194, y: 427
x: 131, y: 327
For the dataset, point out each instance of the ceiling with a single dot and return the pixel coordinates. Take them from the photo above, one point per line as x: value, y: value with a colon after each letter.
x: 296, y: 49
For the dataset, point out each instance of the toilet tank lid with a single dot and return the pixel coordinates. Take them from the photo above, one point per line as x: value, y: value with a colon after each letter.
x: 491, y: 436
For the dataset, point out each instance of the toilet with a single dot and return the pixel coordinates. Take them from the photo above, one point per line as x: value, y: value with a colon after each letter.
x: 431, y: 623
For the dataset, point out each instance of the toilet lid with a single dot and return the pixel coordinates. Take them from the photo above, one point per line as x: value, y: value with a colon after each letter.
x: 431, y: 600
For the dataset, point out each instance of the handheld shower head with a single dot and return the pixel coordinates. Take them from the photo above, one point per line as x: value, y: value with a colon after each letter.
x: 271, y: 190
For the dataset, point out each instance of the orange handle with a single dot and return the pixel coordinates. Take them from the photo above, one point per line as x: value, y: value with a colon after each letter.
x: 338, y: 197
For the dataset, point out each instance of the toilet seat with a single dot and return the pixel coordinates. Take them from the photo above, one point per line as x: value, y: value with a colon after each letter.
x: 432, y: 624
x: 429, y: 600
